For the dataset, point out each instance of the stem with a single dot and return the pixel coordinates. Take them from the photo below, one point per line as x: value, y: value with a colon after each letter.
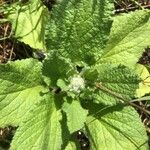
x: 130, y: 9
x: 126, y: 101
x: 145, y: 98
x: 137, y: 4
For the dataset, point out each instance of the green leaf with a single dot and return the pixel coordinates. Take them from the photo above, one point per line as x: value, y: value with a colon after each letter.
x: 21, y: 84
x: 117, y: 130
x: 91, y: 74
x: 79, y: 28
x: 56, y: 67
x: 28, y: 22
x: 61, y: 83
x: 76, y: 115
x: 145, y: 98
x: 144, y: 85
x: 71, y: 146
x: 73, y: 143
x: 114, y: 81
x: 42, y: 129
x: 130, y: 34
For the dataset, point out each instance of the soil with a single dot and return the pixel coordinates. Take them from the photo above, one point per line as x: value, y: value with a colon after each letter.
x: 145, y: 59
x: 10, y: 51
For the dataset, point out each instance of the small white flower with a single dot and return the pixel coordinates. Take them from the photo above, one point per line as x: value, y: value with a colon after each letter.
x: 77, y: 84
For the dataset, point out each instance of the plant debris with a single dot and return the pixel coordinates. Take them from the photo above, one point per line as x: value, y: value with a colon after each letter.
x: 6, y: 135
x: 130, y: 5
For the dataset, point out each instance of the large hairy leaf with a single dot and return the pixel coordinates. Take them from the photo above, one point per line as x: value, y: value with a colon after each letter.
x: 56, y: 67
x: 117, y: 130
x: 20, y: 89
x: 76, y: 115
x: 79, y: 28
x: 28, y: 23
x: 42, y: 129
x: 130, y: 34
x: 113, y: 83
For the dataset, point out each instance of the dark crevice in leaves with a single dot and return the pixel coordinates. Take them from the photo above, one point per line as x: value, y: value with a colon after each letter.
x: 49, y: 3
x: 40, y: 55
x: 55, y: 90
x: 22, y: 50
x: 83, y: 140
x: 79, y: 68
x: 65, y: 132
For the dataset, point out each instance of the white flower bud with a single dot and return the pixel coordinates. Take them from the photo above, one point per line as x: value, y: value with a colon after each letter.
x: 77, y: 84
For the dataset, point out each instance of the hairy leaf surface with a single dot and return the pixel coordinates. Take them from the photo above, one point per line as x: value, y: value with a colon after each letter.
x: 130, y: 34
x: 115, y: 130
x: 76, y: 115
x: 20, y: 89
x: 56, y: 67
x: 114, y: 81
x: 42, y: 128
x: 79, y: 28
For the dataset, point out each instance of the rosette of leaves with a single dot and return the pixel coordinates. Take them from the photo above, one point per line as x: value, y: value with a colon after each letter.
x: 49, y: 101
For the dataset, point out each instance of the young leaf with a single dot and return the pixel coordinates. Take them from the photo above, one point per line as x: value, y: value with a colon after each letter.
x: 42, y: 129
x: 20, y: 89
x: 129, y: 36
x: 114, y: 81
x: 117, y: 130
x: 28, y: 22
x: 76, y: 115
x: 56, y: 67
x: 79, y: 28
